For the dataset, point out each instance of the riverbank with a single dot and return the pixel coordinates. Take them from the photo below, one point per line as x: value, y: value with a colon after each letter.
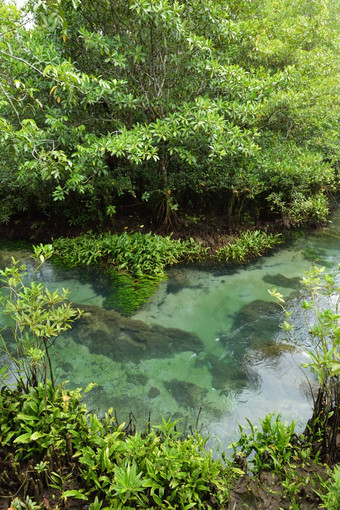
x: 211, y: 230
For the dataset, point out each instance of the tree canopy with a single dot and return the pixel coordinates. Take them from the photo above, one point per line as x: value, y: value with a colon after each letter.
x: 196, y: 105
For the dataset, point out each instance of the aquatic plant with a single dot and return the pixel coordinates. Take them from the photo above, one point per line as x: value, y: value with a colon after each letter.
x: 248, y: 245
x: 140, y: 254
x: 135, y: 263
x: 128, y: 293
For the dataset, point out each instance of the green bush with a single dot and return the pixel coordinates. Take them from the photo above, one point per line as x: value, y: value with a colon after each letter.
x: 46, y: 420
x: 160, y: 469
x: 313, y: 209
x: 271, y: 447
x: 250, y: 244
x: 37, y: 317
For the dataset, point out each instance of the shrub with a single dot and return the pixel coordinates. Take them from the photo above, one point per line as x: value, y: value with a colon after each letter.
x: 37, y: 317
x: 313, y: 209
x: 159, y: 469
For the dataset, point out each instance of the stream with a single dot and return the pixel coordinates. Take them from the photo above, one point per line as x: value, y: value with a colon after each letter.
x: 208, y: 341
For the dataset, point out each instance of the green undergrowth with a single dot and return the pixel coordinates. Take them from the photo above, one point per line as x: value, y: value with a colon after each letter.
x: 53, y: 447
x: 136, y: 263
x: 248, y: 245
x: 272, y: 447
x: 139, y: 254
x: 330, y: 496
x: 51, y: 432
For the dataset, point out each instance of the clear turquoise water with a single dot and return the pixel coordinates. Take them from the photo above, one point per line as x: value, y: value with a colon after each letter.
x: 208, y: 338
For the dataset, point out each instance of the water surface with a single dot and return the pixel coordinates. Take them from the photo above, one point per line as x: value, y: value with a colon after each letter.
x: 207, y: 341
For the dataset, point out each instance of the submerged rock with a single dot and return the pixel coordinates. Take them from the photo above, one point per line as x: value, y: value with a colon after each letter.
x: 255, y: 309
x: 137, y: 379
x: 280, y: 280
x: 270, y: 350
x: 108, y: 333
x: 257, y: 319
x: 153, y: 392
x: 224, y: 374
x: 185, y: 393
x: 254, y: 326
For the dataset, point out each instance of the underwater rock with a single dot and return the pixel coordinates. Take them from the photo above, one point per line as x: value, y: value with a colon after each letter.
x: 137, y: 379
x: 185, y: 393
x: 223, y: 374
x: 270, y: 350
x: 178, y: 279
x: 255, y: 309
x: 257, y: 323
x: 108, y: 333
x: 179, y: 276
x: 257, y: 319
x: 280, y: 280
x: 153, y: 392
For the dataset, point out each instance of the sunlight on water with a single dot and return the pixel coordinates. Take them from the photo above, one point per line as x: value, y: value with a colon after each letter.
x: 207, y: 341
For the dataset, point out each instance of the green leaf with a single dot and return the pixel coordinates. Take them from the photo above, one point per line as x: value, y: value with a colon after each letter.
x: 77, y: 494
x: 36, y: 435
x: 23, y: 438
x: 89, y: 387
x: 27, y: 417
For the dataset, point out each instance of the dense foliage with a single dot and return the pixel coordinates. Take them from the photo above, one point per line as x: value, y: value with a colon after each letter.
x: 223, y: 106
x: 136, y: 263
x: 159, y: 469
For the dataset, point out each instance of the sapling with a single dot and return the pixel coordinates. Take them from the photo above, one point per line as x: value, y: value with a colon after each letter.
x: 37, y: 318
x: 321, y: 313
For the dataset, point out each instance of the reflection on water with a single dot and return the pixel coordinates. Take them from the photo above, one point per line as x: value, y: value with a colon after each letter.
x: 207, y: 338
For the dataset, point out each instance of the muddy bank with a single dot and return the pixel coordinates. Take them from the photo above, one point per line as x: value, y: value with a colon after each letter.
x: 269, y: 491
